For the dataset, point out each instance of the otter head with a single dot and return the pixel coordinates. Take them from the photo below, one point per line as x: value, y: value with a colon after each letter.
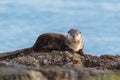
x: 74, y: 35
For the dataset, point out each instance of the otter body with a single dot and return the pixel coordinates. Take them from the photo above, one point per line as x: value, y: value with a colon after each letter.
x: 54, y: 41
x: 49, y: 41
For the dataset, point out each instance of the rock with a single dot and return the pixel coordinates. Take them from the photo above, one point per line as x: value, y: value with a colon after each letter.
x: 25, y: 60
x: 56, y: 58
x: 57, y: 73
x: 58, y: 65
x: 16, y: 72
x: 103, y: 62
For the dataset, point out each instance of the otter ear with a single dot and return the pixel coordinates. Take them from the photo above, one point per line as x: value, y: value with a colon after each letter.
x: 79, y: 32
x: 70, y: 30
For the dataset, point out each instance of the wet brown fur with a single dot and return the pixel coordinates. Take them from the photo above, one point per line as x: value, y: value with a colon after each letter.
x: 49, y: 41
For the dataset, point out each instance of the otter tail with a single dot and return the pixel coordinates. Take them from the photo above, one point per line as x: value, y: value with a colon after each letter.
x: 16, y: 53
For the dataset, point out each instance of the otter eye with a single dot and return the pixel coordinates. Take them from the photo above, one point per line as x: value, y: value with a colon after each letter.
x: 78, y: 33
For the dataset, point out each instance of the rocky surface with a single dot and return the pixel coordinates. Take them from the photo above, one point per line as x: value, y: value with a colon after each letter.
x: 19, y: 72
x: 58, y: 65
x: 53, y: 58
x: 109, y: 62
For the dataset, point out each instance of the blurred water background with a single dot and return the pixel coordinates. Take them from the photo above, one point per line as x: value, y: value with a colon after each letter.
x: 22, y: 21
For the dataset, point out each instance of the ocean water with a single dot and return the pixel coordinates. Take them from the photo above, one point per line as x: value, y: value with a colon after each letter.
x: 22, y: 21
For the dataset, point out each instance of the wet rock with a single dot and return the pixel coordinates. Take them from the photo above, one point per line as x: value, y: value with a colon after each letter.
x: 57, y: 73
x: 102, y: 62
x: 16, y: 73
x: 56, y: 58
x: 25, y: 60
x: 115, y: 67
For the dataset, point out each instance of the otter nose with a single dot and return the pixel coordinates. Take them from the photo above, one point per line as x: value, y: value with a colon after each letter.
x: 73, y: 36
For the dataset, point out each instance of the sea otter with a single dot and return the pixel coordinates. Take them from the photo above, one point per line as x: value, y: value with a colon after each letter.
x: 72, y: 42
